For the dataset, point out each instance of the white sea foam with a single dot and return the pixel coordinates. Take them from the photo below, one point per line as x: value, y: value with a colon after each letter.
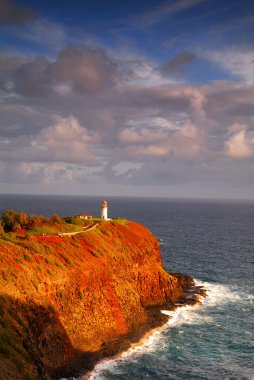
x: 216, y: 294
x: 161, y: 241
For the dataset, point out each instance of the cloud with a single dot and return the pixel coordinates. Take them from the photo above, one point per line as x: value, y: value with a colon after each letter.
x: 240, y: 144
x: 8, y: 65
x: 185, y: 142
x: 144, y: 136
x: 64, y: 141
x: 79, y: 69
x: 33, y: 173
x: 178, y: 63
x: 8, y: 62
x: 44, y: 32
x: 125, y: 128
x: 11, y: 14
x: 164, y: 11
x: 238, y: 62
x: 88, y: 69
x: 31, y: 79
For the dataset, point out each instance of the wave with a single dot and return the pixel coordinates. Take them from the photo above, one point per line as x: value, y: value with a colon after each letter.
x: 217, y: 294
x: 162, y: 242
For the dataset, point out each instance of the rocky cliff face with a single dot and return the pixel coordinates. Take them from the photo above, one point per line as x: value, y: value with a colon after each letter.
x: 65, y: 299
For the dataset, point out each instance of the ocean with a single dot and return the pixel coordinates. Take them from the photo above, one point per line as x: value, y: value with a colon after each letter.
x: 213, y: 241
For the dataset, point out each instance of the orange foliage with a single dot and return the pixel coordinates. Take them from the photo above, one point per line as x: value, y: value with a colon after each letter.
x: 96, y: 282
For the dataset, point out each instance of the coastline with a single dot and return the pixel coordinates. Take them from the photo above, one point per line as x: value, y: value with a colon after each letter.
x: 99, y: 294
x: 113, y: 349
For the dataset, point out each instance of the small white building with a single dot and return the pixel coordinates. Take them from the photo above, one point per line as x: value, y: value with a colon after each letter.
x: 86, y: 216
x: 104, y: 210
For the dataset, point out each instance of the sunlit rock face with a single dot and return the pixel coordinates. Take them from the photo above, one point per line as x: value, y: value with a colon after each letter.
x: 64, y: 297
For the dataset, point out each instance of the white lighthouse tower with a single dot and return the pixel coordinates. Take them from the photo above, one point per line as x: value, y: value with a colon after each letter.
x: 104, y: 210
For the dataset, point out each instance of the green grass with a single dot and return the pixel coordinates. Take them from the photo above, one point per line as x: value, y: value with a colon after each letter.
x: 120, y: 221
x: 54, y: 230
x: 9, y: 236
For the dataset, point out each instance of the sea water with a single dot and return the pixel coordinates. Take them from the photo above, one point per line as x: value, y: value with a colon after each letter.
x: 213, y: 241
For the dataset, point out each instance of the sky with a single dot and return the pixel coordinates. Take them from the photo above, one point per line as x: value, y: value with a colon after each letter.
x: 139, y: 98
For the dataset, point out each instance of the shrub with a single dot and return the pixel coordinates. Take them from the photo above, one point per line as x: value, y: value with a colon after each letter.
x: 9, y: 220
x: 74, y: 220
x: 66, y: 259
x: 60, y: 265
x: 5, y: 277
x: 35, y: 221
x: 61, y: 293
x: 22, y: 219
x: 56, y: 219
x: 81, y: 294
x: 27, y: 257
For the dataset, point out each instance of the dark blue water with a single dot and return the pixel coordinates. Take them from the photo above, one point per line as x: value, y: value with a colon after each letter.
x: 214, y: 242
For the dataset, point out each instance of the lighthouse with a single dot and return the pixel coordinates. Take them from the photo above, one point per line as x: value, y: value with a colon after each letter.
x: 104, y: 210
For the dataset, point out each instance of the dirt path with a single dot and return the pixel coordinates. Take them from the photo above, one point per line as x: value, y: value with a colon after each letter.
x: 78, y: 232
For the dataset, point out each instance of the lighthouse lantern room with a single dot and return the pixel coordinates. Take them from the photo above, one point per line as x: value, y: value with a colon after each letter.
x: 104, y: 210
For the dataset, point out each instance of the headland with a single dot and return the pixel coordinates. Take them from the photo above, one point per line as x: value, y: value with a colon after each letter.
x: 67, y: 301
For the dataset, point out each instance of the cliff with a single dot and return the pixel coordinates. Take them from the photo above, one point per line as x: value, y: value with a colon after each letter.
x: 66, y: 301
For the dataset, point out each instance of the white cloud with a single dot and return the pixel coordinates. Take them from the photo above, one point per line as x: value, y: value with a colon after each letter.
x: 142, y: 136
x: 65, y: 141
x: 240, y: 144
x: 164, y: 123
x: 166, y: 10
x: 184, y: 142
x: 44, y: 32
x: 237, y: 62
x: 125, y: 167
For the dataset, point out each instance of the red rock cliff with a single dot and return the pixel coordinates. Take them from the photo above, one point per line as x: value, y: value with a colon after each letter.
x: 65, y: 296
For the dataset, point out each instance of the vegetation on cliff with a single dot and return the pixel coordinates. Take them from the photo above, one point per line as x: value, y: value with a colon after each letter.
x: 64, y: 298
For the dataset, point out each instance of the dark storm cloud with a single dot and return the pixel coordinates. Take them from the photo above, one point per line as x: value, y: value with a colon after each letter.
x: 11, y: 14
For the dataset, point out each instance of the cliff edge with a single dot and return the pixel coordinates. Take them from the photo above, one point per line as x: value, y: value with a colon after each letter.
x: 67, y: 301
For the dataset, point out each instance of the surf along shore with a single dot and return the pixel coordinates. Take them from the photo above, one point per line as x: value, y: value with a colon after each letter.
x: 158, y: 317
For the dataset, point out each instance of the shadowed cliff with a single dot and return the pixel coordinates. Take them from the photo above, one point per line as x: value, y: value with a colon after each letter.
x: 67, y: 301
